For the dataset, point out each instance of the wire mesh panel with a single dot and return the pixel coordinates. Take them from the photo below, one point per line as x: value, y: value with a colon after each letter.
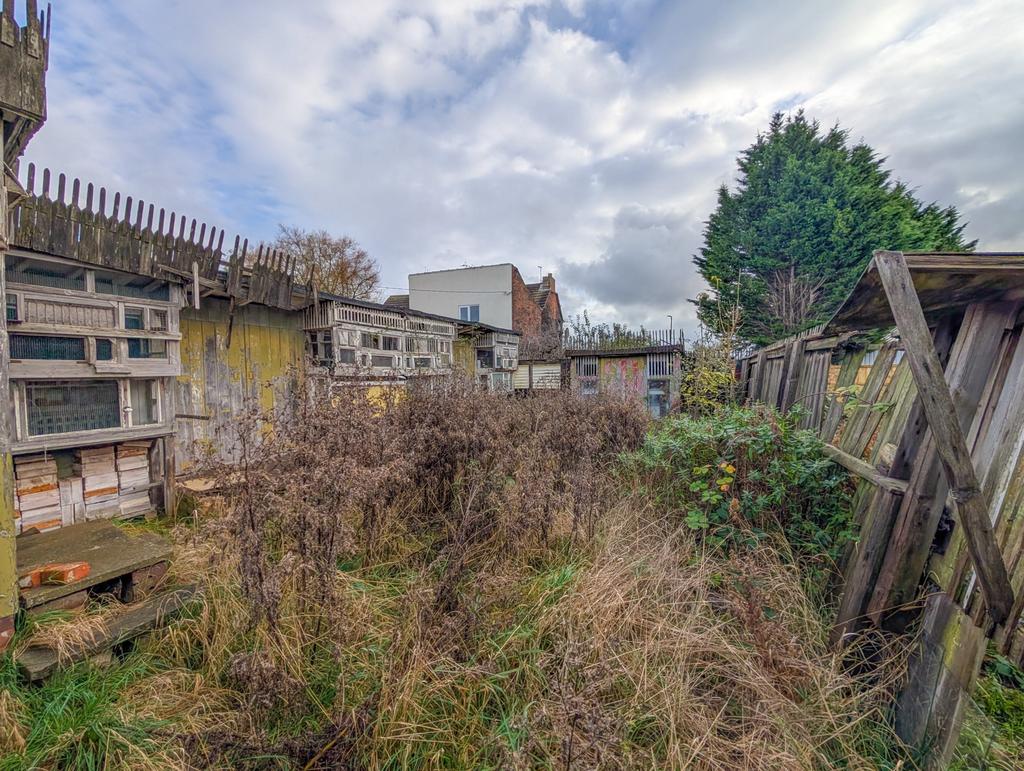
x: 47, y: 347
x: 63, y: 406
x: 40, y: 273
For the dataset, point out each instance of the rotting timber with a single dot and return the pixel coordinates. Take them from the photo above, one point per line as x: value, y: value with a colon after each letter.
x: 931, y: 421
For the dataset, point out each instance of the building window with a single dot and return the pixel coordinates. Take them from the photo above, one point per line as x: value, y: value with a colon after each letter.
x: 145, y: 405
x: 104, y: 349
x: 501, y: 381
x: 657, y: 397
x: 423, y: 362
x: 47, y: 347
x: 469, y: 312
x: 13, y: 311
x: 146, y: 348
x: 321, y: 348
x: 382, y: 361
x: 346, y: 356
x: 64, y: 406
x: 41, y: 273
x: 659, y: 364
x: 485, y: 357
x: 132, y: 286
x: 389, y: 344
x: 586, y: 366
x: 134, y: 318
x: 368, y: 340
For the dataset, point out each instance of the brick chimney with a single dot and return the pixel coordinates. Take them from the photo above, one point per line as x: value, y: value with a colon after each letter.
x: 548, y: 282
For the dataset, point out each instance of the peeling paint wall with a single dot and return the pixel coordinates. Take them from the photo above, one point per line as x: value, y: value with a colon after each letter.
x: 623, y: 375
x: 263, y: 362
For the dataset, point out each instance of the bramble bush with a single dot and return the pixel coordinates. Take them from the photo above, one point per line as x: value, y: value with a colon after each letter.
x: 743, y: 473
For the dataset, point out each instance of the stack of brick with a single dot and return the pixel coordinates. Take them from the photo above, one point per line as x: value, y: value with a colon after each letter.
x: 37, y: 497
x: 133, y: 478
x: 99, y: 481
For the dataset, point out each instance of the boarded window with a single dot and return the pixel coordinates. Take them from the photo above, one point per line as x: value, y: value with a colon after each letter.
x: 20, y: 270
x: 47, y: 347
x: 146, y: 348
x: 382, y: 361
x: 144, y: 402
x: 64, y: 406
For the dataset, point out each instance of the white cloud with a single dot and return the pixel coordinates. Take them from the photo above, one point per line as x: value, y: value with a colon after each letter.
x: 587, y: 137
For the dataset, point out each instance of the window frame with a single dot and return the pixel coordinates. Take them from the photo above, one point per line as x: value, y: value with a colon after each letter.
x: 468, y: 317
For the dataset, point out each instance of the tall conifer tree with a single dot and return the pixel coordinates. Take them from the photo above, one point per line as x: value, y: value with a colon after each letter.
x: 808, y: 211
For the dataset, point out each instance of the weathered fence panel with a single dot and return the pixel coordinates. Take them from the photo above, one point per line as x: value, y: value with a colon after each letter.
x: 941, y: 478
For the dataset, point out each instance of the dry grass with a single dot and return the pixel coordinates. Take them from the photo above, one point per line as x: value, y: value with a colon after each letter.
x: 469, y: 625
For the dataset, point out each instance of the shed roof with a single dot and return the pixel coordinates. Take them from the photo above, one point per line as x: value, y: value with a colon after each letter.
x: 945, y: 282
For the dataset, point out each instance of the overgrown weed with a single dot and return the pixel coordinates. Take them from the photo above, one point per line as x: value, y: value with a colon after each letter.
x: 456, y: 579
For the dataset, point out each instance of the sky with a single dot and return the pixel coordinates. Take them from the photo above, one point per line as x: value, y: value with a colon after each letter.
x: 581, y: 137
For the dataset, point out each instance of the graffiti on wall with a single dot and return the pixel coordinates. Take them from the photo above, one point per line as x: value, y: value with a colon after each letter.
x: 623, y: 376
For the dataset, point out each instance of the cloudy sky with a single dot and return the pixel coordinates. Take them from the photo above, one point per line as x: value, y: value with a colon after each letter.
x: 584, y: 137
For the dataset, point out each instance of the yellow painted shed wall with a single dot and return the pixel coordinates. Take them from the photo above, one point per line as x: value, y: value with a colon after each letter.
x: 264, y: 362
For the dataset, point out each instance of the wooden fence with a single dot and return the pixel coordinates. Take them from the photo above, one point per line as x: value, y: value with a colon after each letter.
x: 921, y: 543
x: 79, y: 223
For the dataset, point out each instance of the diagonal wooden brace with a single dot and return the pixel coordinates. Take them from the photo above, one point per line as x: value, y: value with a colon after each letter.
x: 950, y: 445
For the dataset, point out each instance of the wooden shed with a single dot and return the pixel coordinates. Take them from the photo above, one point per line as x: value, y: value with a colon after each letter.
x: 936, y: 437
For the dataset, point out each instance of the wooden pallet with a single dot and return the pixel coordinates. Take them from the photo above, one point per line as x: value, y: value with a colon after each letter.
x: 38, y: 663
x: 110, y: 551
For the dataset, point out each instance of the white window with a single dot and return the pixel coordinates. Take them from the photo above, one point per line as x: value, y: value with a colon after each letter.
x: 145, y: 402
x: 469, y: 312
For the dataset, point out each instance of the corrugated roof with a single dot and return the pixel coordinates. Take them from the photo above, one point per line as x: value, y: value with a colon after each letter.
x: 945, y: 283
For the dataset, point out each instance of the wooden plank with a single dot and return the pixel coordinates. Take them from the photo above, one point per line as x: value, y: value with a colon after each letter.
x: 853, y: 439
x: 794, y: 369
x: 941, y: 675
x: 865, y: 470
x: 940, y: 411
x: 38, y: 663
x: 847, y: 376
x: 759, y: 378
x: 971, y: 362
x: 880, y: 512
x: 110, y: 551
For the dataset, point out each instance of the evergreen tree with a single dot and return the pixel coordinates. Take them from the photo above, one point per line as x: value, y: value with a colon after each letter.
x: 808, y: 212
